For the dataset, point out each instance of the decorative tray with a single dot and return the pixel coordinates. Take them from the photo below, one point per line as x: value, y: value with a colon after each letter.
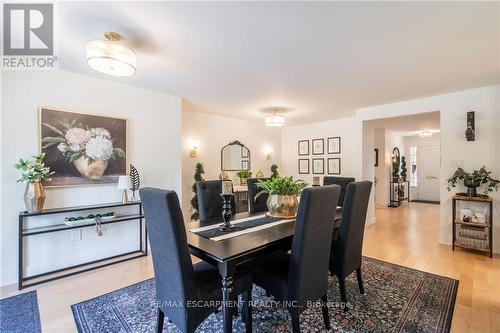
x: 89, y: 219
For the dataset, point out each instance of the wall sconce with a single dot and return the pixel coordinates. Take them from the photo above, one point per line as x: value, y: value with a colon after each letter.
x: 269, y: 152
x: 194, y: 145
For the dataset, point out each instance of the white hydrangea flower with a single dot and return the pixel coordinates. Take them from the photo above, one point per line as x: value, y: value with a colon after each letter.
x: 99, y: 131
x: 62, y: 147
x: 99, y: 148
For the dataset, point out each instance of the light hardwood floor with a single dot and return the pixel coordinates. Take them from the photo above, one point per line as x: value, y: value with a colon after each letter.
x: 407, y: 236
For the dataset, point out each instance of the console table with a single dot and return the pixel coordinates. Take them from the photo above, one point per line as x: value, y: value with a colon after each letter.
x: 137, y: 215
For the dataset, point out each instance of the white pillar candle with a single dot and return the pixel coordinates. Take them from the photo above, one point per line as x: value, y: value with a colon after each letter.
x: 227, y: 187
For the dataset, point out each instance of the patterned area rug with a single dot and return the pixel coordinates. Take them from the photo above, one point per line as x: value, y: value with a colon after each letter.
x: 397, y: 299
x: 19, y: 314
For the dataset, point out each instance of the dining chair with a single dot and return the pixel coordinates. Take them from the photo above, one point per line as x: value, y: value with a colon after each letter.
x: 345, y: 255
x: 342, y: 181
x: 260, y: 204
x: 302, y: 276
x: 209, y: 199
x: 179, y: 282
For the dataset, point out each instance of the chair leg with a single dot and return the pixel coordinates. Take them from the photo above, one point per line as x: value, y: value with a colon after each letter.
x: 246, y: 313
x: 160, y: 318
x: 295, y: 322
x: 360, y: 281
x: 324, y: 309
x: 343, y: 295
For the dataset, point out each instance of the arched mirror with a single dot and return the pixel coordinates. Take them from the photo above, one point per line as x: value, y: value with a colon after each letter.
x: 396, y: 162
x: 235, y: 156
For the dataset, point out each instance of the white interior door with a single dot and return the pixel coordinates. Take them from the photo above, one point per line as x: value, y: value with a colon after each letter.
x: 428, y: 165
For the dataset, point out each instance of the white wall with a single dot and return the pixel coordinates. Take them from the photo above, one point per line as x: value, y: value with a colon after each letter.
x: 214, y: 132
x: 455, y: 149
x: 351, y: 130
x: 154, y: 148
x: 380, y: 170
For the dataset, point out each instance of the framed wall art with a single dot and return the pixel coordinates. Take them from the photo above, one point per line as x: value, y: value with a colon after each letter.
x: 333, y: 167
x: 318, y: 146
x: 318, y: 166
x: 333, y: 145
x: 303, y: 166
x: 303, y: 147
x: 82, y: 149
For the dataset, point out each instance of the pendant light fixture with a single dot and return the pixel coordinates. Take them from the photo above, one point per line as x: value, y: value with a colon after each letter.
x: 110, y: 56
x: 275, y: 119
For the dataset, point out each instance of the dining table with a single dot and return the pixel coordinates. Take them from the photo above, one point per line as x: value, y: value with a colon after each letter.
x: 228, y: 253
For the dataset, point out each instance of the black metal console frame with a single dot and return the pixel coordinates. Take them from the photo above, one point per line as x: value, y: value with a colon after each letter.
x: 23, y: 281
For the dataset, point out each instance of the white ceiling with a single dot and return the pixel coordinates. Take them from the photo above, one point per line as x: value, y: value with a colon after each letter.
x: 410, y: 125
x: 318, y: 60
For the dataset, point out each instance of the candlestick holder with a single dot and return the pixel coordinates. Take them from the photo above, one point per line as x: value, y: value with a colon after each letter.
x: 226, y: 213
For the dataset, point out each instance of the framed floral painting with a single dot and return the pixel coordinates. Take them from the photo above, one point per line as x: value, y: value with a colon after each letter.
x: 83, y: 149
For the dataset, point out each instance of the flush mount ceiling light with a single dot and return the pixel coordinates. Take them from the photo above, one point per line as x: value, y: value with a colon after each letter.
x: 110, y: 56
x: 425, y: 134
x: 275, y: 119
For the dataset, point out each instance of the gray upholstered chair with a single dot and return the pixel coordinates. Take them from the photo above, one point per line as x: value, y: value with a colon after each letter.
x: 302, y: 276
x: 256, y: 205
x: 209, y: 199
x: 178, y: 281
x: 346, y: 250
x: 342, y: 182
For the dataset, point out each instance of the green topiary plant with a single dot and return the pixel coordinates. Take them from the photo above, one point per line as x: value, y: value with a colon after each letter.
x: 274, y: 171
x: 403, y: 168
x: 199, y: 171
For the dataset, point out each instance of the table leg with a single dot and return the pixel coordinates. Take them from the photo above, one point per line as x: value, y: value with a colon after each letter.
x: 227, y: 290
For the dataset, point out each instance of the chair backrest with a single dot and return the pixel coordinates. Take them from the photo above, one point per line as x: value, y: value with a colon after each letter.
x: 308, y: 272
x: 348, y: 246
x: 209, y: 199
x: 342, y: 181
x: 259, y: 204
x: 174, y: 273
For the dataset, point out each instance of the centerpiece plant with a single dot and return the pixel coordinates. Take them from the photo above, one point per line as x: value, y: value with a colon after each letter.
x: 33, y: 173
x: 244, y: 175
x: 283, y: 194
x: 474, y: 179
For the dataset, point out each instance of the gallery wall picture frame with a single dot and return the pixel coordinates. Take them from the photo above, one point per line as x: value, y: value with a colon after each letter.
x: 82, y: 148
x: 303, y: 166
x: 318, y: 166
x: 334, y: 166
x: 376, y: 157
x: 303, y: 147
x: 318, y: 146
x: 333, y: 145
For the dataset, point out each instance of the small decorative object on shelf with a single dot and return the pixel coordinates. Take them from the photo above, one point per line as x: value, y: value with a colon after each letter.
x: 33, y: 174
x: 135, y: 181
x: 282, y: 201
x: 315, y: 181
x: 474, y: 179
x: 124, y: 185
x: 259, y: 174
x: 244, y: 175
x: 472, y: 223
x: 223, y: 175
x: 89, y: 219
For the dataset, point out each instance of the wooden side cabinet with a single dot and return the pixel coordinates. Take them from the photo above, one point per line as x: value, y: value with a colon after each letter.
x: 473, y: 223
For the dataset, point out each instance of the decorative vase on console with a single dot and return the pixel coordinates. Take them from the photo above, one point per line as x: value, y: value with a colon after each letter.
x: 244, y: 175
x: 34, y: 172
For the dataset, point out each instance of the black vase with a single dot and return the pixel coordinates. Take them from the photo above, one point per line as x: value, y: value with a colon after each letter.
x: 471, y: 187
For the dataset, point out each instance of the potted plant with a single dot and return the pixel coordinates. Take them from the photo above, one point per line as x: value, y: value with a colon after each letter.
x: 474, y: 179
x: 33, y: 174
x: 404, y: 170
x: 283, y: 192
x: 243, y: 175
